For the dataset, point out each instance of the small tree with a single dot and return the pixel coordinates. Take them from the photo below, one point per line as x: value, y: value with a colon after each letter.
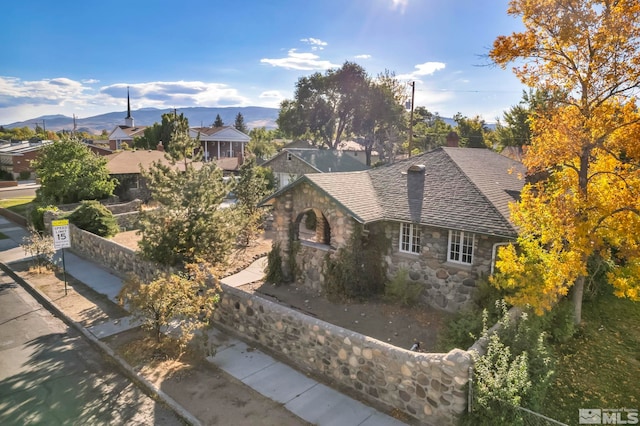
x: 40, y: 246
x: 250, y: 189
x: 186, y: 300
x: 70, y: 172
x: 218, y: 122
x: 239, y: 123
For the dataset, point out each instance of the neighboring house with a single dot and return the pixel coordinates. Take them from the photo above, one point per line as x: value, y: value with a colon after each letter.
x: 16, y: 157
x: 226, y: 145
x: 124, y: 134
x: 357, y: 151
x: 445, y: 212
x: 290, y: 163
x: 125, y: 166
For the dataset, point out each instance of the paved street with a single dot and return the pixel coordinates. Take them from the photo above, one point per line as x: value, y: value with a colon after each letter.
x: 50, y: 375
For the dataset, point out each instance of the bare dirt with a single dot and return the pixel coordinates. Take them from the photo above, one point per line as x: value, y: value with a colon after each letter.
x: 400, y: 326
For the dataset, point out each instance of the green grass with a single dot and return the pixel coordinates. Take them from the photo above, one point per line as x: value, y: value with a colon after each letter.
x: 19, y: 205
x: 600, y: 367
x: 3, y: 236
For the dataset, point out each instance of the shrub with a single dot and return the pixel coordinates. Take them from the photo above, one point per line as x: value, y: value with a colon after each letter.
x: 402, y: 290
x: 95, y: 218
x: 5, y: 175
x: 25, y: 174
x: 273, y: 270
x: 310, y: 220
x: 515, y: 371
x: 41, y: 248
x: 36, y: 216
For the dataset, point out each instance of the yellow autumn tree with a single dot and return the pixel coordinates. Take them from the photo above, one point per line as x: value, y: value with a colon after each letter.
x: 586, y: 147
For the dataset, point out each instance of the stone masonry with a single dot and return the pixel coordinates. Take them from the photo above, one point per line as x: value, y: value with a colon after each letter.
x: 429, y: 387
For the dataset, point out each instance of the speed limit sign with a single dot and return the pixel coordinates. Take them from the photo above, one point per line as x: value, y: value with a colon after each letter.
x: 61, y: 238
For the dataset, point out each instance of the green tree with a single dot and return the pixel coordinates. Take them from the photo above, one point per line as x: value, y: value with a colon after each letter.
x: 187, y: 300
x: 472, y: 131
x: 429, y: 130
x: 261, y: 144
x: 188, y: 222
x: 324, y: 105
x: 218, y: 122
x: 250, y: 188
x: 70, y: 172
x: 239, y: 123
x: 380, y: 114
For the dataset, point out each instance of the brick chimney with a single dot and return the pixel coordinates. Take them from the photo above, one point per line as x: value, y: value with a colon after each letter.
x: 453, y: 139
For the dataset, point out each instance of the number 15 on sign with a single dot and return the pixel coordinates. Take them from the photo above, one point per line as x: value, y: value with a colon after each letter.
x: 61, y: 240
x: 61, y: 234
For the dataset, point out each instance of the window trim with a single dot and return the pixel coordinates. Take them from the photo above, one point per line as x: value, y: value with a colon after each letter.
x: 413, y: 235
x: 462, y: 241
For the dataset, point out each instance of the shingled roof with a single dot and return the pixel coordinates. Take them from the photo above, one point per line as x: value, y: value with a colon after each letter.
x: 455, y: 188
x: 327, y: 161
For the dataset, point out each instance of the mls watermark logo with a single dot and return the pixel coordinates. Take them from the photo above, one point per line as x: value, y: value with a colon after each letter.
x: 608, y: 416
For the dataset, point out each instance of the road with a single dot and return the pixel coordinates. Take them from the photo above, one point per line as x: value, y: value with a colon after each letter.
x: 18, y: 191
x: 51, y: 375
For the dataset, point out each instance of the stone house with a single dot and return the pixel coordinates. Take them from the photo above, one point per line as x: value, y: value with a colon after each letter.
x: 290, y: 163
x: 443, y: 214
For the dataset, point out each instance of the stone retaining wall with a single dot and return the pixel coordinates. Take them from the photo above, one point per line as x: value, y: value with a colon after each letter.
x: 429, y: 387
x: 111, y: 254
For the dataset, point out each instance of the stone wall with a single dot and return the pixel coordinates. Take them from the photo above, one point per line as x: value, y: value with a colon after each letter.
x: 429, y: 387
x: 448, y: 286
x: 111, y: 254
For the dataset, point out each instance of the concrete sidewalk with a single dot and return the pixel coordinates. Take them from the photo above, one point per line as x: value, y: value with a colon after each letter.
x: 308, y: 399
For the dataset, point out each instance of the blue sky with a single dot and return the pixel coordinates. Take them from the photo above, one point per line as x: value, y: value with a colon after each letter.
x: 78, y: 57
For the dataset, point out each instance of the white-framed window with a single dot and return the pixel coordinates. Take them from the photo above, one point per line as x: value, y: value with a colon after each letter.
x: 461, y: 247
x: 409, y: 238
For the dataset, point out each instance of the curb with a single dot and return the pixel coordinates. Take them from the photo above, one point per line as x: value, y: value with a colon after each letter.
x: 148, y: 387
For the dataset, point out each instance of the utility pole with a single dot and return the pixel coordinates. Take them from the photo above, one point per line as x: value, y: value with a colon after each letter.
x: 413, y: 93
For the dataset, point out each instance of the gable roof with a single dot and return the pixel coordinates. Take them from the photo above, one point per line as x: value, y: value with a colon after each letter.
x: 129, y: 162
x: 126, y: 132
x: 221, y: 134
x: 455, y: 188
x: 322, y: 160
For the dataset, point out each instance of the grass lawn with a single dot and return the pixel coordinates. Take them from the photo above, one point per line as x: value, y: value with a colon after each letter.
x: 600, y: 367
x: 19, y: 205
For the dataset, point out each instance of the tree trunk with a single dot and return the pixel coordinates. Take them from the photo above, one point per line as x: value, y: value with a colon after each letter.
x: 577, y: 293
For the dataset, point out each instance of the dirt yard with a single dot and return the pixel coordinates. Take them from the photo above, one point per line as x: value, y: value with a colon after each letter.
x: 396, y: 325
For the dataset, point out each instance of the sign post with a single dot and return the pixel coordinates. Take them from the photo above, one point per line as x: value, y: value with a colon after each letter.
x: 61, y: 240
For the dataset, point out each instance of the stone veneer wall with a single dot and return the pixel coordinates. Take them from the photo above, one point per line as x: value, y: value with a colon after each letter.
x: 430, y: 387
x: 289, y: 210
x: 111, y: 254
x: 448, y: 286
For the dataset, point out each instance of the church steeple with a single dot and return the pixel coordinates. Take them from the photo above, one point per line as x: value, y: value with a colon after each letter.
x: 128, y: 121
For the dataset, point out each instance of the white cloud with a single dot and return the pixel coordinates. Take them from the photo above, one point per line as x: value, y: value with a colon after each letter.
x: 22, y: 99
x: 300, y: 61
x: 363, y: 56
x: 400, y: 5
x: 316, y: 44
x: 427, y: 68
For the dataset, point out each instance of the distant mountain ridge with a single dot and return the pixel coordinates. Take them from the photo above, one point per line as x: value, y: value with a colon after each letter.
x: 197, y: 116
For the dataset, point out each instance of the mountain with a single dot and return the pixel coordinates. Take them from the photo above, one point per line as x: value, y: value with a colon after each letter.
x: 197, y: 116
